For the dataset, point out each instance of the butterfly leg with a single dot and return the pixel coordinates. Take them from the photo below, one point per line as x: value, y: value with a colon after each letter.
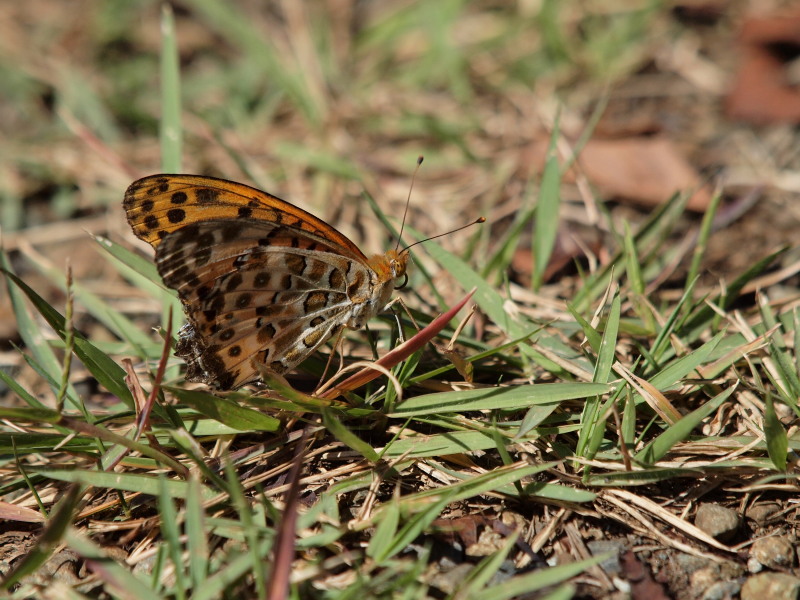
x: 401, y: 336
x: 399, y: 300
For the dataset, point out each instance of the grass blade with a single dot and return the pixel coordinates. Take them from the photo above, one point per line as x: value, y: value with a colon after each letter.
x: 171, y: 130
x: 777, y: 441
x: 546, y: 223
x: 108, y: 373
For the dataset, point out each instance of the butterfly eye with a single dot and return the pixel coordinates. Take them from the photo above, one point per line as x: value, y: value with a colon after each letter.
x: 404, y: 284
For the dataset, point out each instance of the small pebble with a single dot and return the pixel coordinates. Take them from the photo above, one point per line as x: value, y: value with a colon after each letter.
x: 703, y: 579
x: 719, y: 522
x: 722, y: 590
x: 763, y: 512
x: 753, y: 566
x: 611, y: 565
x: 448, y: 582
x: 775, y: 586
x: 773, y: 552
x: 689, y: 563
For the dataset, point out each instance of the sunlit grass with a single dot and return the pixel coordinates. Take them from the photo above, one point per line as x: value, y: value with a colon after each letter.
x: 556, y: 395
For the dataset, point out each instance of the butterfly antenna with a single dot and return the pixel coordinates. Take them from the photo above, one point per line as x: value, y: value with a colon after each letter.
x: 475, y: 222
x: 408, y: 201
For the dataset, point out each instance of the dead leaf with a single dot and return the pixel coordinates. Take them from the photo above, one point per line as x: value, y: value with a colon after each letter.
x: 763, y: 90
x: 644, y: 170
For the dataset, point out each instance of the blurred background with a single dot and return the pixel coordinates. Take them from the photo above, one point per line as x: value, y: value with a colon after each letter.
x: 568, y: 125
x: 320, y: 101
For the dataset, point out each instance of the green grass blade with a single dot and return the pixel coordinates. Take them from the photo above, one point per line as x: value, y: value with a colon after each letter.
x: 546, y: 223
x: 347, y: 437
x: 501, y: 478
x: 788, y: 382
x: 115, y: 321
x: 249, y: 521
x: 679, y: 431
x: 795, y: 327
x: 196, y: 535
x: 41, y: 442
x: 31, y: 334
x: 777, y: 440
x: 412, y: 528
x: 590, y: 435
x: 226, y: 411
x: 483, y: 573
x: 20, y: 391
x: 385, y: 532
x: 661, y: 342
x: 592, y: 335
x: 500, y: 260
x: 658, y: 225
x: 607, y: 353
x: 516, y: 397
x: 236, y: 565
x: 170, y: 532
x: 700, y: 319
x: 647, y: 476
x: 533, y: 582
x: 454, y: 442
x: 680, y: 368
x: 108, y: 373
x: 126, y: 482
x: 633, y: 270
x: 706, y: 229
x: 140, y: 270
x: 171, y: 129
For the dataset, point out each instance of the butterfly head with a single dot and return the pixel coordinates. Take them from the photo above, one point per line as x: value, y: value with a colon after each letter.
x: 398, y: 265
x: 391, y: 266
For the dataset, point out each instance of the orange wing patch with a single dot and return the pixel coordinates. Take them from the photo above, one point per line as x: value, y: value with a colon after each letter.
x: 160, y: 204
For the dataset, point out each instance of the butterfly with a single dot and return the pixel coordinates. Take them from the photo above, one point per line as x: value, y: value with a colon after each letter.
x: 260, y: 280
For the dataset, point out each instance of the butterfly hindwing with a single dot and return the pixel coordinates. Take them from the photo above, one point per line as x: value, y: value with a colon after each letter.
x: 273, y: 302
x: 231, y: 362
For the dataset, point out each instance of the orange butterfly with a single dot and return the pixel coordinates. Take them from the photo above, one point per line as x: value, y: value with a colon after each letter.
x: 260, y: 279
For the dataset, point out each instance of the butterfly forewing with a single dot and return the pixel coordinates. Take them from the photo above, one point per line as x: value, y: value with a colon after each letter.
x: 160, y: 204
x: 260, y: 279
